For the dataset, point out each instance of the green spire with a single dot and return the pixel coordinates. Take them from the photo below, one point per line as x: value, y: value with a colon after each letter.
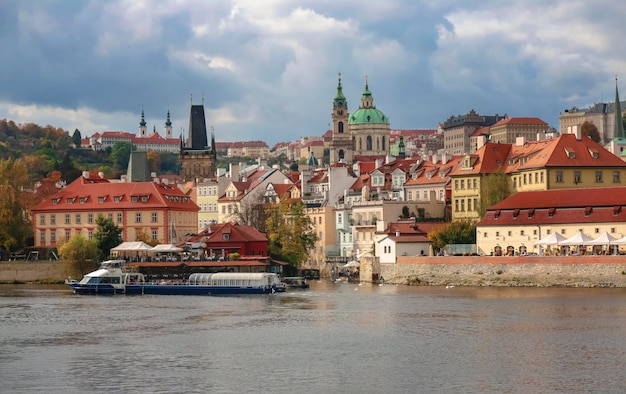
x: 340, y: 99
x: 618, y: 132
x: 168, y: 122
x: 143, y: 120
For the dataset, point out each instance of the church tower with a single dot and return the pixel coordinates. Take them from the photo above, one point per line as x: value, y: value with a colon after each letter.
x: 143, y: 129
x: 341, y: 146
x: 197, y: 159
x: 168, y: 126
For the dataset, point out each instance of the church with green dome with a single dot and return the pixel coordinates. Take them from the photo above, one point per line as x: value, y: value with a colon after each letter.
x: 365, y: 132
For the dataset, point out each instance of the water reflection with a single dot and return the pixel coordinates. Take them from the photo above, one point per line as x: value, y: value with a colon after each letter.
x: 329, y: 338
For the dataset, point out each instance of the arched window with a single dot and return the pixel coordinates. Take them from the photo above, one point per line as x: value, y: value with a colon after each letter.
x: 340, y: 127
x: 377, y: 144
x: 341, y: 154
x: 369, y: 143
x: 383, y: 139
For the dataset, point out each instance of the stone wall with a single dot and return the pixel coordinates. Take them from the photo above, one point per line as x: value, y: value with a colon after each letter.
x: 573, y: 271
x: 24, y: 271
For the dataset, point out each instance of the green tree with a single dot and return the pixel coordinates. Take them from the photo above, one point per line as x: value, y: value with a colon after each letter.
x: 457, y: 232
x: 15, y: 202
x: 590, y: 130
x: 107, y: 236
x: 290, y: 232
x: 79, y: 256
x: 76, y: 138
x: 494, y: 188
x: 120, y: 154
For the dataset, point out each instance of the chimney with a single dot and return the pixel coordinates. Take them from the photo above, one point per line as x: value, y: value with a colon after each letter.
x: 520, y: 141
x: 123, y: 178
x: 101, y: 175
x: 444, y: 158
x: 86, y: 174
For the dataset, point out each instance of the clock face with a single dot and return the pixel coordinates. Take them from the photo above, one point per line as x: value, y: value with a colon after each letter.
x: 340, y: 112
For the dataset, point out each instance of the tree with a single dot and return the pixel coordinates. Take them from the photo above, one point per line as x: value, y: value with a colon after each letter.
x: 76, y: 138
x: 15, y: 202
x: 107, y: 236
x: 290, y: 232
x: 494, y: 188
x: 154, y: 161
x: 457, y: 232
x: 590, y: 130
x: 79, y: 256
x: 146, y: 238
x: 120, y: 154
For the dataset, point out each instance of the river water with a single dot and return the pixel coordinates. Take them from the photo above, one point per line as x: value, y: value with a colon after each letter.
x: 333, y: 337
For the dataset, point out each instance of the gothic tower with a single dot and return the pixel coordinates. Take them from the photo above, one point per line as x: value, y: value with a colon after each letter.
x: 197, y: 158
x: 341, y: 142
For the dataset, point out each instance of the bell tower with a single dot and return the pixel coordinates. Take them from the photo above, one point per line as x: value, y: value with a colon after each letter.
x: 341, y: 143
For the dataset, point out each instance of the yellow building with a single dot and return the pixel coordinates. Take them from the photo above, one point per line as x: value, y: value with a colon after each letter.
x: 159, y: 210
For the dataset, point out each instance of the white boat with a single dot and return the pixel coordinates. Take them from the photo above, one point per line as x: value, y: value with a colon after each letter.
x: 114, y: 277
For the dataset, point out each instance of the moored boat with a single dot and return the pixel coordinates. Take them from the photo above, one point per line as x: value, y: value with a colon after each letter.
x: 114, y: 277
x: 296, y: 282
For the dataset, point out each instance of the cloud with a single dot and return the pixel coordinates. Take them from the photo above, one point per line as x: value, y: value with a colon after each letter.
x: 268, y: 69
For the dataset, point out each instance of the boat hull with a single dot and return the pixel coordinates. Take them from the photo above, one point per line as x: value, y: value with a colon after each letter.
x: 170, y: 289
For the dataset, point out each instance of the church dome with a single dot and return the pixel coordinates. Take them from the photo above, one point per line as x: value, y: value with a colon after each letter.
x: 367, y: 112
x: 368, y: 116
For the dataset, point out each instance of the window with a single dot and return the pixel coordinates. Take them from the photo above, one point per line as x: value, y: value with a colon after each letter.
x: 90, y: 234
x: 120, y: 218
x: 155, y: 234
x: 616, y: 177
x: 577, y: 178
x: 53, y: 236
x: 138, y: 217
x: 42, y: 219
x: 225, y: 236
x: 42, y: 236
x: 67, y: 218
x: 559, y: 176
x: 53, y: 219
x: 598, y: 176
x: 154, y: 217
x: 67, y: 235
x: 78, y: 218
x: 90, y: 218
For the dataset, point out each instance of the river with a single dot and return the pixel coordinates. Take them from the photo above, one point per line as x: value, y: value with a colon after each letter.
x: 333, y: 337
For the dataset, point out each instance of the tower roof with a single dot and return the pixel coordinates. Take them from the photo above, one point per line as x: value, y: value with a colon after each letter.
x: 340, y: 100
x: 619, y: 126
x: 197, y: 129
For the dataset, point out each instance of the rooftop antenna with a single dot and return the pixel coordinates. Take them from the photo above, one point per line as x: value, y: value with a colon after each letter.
x: 202, y: 98
x: 191, y: 98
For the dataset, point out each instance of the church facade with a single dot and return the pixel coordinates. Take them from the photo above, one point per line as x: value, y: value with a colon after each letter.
x: 365, y: 133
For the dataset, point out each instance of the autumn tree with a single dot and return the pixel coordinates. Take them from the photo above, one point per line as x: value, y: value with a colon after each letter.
x: 290, y: 232
x: 15, y: 202
x: 107, y: 236
x: 146, y: 238
x: 79, y: 256
x: 590, y: 130
x: 457, y: 232
x: 154, y: 161
x: 494, y: 188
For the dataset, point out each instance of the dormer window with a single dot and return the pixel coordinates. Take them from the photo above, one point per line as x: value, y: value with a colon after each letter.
x: 101, y: 199
x: 144, y: 198
x: 570, y: 153
x: 117, y: 199
x: 134, y: 199
x: 82, y: 200
x: 594, y: 153
x: 70, y: 201
x: 226, y: 236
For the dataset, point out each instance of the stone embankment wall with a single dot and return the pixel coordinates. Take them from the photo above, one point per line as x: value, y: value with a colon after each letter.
x: 572, y: 271
x: 26, y: 271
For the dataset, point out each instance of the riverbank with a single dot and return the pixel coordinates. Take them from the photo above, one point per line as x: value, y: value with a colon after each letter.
x: 523, y: 271
x: 520, y: 271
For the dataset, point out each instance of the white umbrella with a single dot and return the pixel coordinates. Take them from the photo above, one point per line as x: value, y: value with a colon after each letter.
x: 551, y: 239
x: 351, y: 264
x: 578, y: 239
x: 604, y: 239
x: 165, y: 248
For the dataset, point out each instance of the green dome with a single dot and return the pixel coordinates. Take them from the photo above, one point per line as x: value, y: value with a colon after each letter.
x: 368, y: 116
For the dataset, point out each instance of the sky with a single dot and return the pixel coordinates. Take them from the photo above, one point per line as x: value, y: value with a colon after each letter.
x: 268, y: 69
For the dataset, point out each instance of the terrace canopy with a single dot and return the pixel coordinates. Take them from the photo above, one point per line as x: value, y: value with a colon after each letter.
x: 551, y: 239
x: 578, y: 239
x: 604, y: 239
x: 166, y: 248
x: 132, y: 247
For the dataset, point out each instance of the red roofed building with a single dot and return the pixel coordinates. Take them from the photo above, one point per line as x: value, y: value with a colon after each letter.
x: 400, y: 239
x: 521, y: 220
x: 160, y: 210
x: 226, y: 238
